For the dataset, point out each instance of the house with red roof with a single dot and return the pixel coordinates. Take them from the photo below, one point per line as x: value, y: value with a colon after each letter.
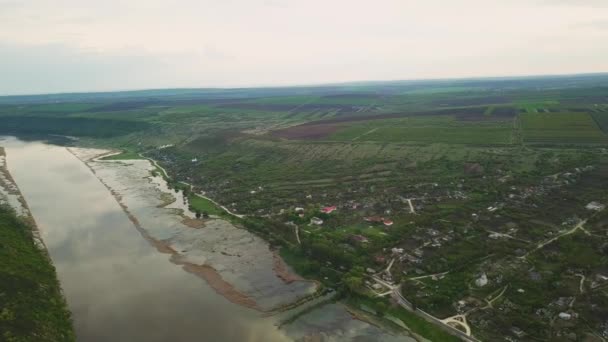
x: 377, y: 219
x: 329, y: 210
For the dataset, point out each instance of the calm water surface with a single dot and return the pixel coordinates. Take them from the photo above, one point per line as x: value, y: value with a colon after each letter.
x: 118, y: 287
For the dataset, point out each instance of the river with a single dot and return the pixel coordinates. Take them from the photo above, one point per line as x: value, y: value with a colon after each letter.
x: 119, y: 287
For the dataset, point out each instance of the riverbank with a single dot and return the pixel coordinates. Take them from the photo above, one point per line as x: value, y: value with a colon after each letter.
x: 237, y: 264
x: 32, y: 306
x: 284, y: 261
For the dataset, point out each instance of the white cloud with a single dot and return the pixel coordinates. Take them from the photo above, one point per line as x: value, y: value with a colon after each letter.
x: 117, y: 44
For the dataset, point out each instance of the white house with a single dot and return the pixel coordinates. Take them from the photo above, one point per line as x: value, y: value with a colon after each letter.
x: 316, y: 221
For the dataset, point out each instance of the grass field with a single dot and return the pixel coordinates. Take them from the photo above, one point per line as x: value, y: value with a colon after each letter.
x: 204, y: 205
x: 601, y: 118
x: 31, y: 304
x: 125, y: 155
x: 561, y: 128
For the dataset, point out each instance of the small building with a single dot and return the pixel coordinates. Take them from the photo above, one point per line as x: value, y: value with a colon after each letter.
x: 595, y: 206
x: 396, y: 250
x: 565, y: 316
x: 387, y: 222
x: 316, y: 221
x: 329, y: 210
x: 379, y: 259
x: 482, y: 280
x: 299, y: 210
x: 518, y: 332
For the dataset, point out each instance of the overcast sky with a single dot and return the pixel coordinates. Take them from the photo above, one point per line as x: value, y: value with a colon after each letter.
x: 85, y: 45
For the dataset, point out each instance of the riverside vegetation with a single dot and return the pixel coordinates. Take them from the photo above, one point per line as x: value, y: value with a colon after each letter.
x: 32, y: 307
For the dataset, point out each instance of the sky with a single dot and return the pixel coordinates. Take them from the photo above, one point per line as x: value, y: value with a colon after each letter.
x: 51, y: 46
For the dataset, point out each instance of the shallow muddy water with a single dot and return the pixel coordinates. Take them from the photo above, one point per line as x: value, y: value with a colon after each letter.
x: 118, y: 284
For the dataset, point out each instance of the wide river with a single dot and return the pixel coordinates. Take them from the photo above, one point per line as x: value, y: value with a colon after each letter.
x: 118, y: 286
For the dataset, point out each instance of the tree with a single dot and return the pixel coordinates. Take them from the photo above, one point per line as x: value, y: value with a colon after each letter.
x: 205, y: 214
x: 354, y: 283
x: 198, y: 214
x: 354, y: 279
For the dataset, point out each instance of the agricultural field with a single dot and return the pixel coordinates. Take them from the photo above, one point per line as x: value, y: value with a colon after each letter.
x: 601, y: 118
x: 561, y: 128
x: 429, y: 130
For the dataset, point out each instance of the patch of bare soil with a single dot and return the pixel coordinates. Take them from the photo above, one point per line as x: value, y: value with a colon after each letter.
x: 193, y: 223
x: 167, y: 199
x: 215, y: 280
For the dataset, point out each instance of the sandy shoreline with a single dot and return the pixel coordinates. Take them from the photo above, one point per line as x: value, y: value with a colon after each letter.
x: 8, y: 187
x: 208, y: 273
x: 211, y: 275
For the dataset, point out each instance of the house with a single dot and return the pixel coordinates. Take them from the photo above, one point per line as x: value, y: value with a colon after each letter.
x: 329, y: 210
x: 299, y: 210
x: 595, y: 206
x: 195, y: 160
x: 482, y: 280
x: 518, y: 332
x: 378, y: 219
x: 379, y: 259
x: 316, y: 221
x: 396, y: 250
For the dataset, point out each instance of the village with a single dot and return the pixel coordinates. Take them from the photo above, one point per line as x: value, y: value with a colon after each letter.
x: 439, y: 249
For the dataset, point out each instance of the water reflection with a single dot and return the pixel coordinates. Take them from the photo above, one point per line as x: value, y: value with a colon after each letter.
x: 118, y: 287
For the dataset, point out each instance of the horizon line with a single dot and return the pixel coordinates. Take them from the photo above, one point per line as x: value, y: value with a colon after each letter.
x: 312, y: 85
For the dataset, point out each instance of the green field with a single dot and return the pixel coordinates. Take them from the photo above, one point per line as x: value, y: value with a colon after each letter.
x: 601, y: 118
x: 204, y: 205
x: 125, y: 155
x: 429, y: 130
x: 32, y: 307
x: 561, y: 128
